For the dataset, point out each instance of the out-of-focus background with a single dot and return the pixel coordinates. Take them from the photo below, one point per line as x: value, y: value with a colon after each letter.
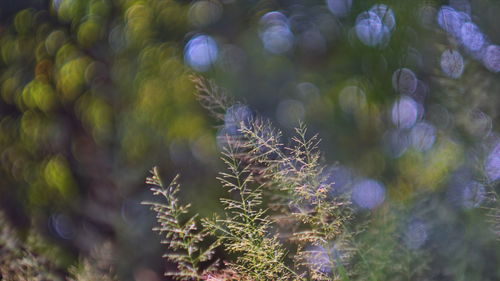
x: 404, y: 94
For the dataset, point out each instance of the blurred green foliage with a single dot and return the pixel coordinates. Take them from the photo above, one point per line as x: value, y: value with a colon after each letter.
x: 92, y: 94
x: 95, y: 92
x: 87, y: 78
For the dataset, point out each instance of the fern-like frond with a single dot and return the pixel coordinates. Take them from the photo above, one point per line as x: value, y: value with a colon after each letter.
x: 293, y: 173
x: 212, y: 97
x: 295, y: 169
x: 246, y: 228
x: 182, y: 238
